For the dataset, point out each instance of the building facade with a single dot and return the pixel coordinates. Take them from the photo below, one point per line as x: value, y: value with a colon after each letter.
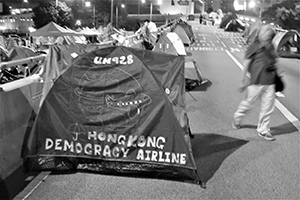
x: 17, y: 23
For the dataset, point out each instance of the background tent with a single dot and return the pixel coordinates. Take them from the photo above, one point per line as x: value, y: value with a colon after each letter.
x: 20, y: 52
x: 188, y: 29
x: 183, y: 30
x: 109, y: 111
x: 169, y: 42
x: 287, y: 44
x: 226, y: 19
x: 192, y: 73
x: 52, y: 29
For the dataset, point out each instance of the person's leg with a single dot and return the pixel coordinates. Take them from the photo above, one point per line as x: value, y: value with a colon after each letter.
x: 267, y: 107
x: 252, y: 93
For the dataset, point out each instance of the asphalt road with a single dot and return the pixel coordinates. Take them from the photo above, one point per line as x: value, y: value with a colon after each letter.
x: 234, y: 164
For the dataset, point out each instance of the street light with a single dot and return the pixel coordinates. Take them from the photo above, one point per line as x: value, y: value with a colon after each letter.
x: 89, y: 4
x: 112, y: 12
x: 159, y: 2
x: 117, y: 13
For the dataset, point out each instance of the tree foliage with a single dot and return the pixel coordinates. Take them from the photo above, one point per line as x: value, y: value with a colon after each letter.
x: 286, y: 14
x: 47, y: 12
x: 85, y: 14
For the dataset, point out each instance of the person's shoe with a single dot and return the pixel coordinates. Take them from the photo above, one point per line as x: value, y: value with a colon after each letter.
x: 267, y: 136
x: 236, y: 125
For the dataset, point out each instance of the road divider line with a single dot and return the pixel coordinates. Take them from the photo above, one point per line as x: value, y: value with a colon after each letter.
x: 33, y: 185
x: 278, y: 105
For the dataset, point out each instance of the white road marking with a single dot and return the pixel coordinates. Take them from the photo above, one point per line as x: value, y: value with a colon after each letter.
x: 278, y: 105
x: 43, y: 175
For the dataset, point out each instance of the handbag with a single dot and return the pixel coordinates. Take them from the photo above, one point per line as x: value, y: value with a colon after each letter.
x: 279, y: 85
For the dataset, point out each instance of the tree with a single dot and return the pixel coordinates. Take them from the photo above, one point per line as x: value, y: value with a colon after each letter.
x: 85, y: 14
x: 47, y: 12
x: 286, y: 14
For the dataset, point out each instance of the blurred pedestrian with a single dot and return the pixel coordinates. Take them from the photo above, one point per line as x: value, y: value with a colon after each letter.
x: 260, y: 66
x: 200, y: 18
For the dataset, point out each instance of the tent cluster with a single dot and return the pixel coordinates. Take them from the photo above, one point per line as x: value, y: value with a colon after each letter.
x: 102, y: 107
x: 286, y: 42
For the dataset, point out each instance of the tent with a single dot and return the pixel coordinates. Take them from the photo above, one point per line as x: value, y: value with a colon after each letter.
x: 52, y: 29
x: 287, y: 44
x: 17, y: 116
x: 185, y: 32
x: 234, y: 25
x: 192, y: 72
x: 170, y: 42
x: 226, y: 19
x: 20, y: 52
x: 115, y: 110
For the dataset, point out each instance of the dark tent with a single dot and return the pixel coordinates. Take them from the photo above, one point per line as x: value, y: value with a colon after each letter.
x: 185, y: 32
x: 287, y: 44
x: 226, y: 19
x: 115, y: 110
x: 188, y: 29
x: 234, y: 25
x: 60, y: 58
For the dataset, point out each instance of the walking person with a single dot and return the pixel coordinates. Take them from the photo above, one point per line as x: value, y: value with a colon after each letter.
x: 261, y: 60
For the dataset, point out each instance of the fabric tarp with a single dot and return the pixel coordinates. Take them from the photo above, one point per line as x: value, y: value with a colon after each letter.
x: 115, y: 110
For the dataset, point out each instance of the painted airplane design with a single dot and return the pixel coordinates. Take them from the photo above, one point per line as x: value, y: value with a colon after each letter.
x: 113, y: 99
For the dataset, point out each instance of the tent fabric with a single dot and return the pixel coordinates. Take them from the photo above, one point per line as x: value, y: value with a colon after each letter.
x: 164, y: 45
x: 52, y: 29
x: 234, y: 25
x: 170, y: 43
x: 20, y: 52
x: 59, y: 58
x: 188, y: 29
x: 287, y: 44
x: 177, y: 43
x: 179, y: 30
x: 192, y: 70
x: 16, y: 118
x: 115, y: 110
x: 226, y: 19
x: 185, y: 32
